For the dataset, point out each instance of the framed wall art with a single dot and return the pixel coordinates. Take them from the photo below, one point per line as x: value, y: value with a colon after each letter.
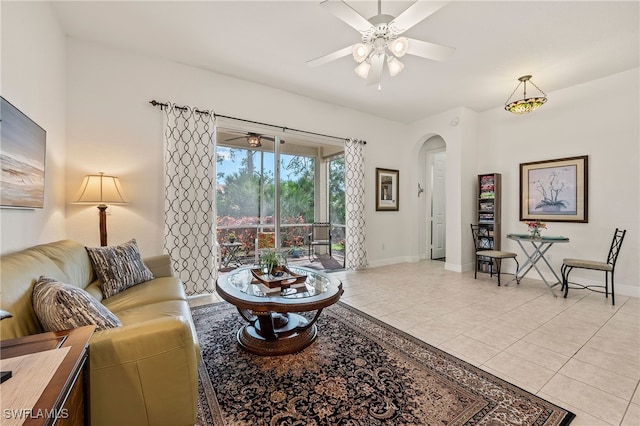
x: 387, y: 185
x: 555, y: 190
x: 22, y: 160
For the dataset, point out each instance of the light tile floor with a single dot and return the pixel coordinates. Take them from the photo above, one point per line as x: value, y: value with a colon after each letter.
x: 580, y: 353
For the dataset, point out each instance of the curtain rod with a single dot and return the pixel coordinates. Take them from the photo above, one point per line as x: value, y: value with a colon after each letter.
x: 283, y: 128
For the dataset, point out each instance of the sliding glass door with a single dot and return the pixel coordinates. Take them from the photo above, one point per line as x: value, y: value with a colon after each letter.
x: 297, y: 206
x: 279, y: 189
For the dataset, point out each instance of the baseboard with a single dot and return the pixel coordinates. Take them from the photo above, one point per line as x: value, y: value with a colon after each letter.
x: 391, y: 261
x: 621, y: 289
x: 455, y: 267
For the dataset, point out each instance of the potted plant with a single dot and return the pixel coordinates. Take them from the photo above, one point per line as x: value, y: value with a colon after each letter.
x: 535, y: 227
x: 296, y: 242
x: 231, y: 237
x: 272, y: 262
x: 295, y: 252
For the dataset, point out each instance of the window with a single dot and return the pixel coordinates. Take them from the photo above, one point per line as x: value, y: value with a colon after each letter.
x: 310, y: 188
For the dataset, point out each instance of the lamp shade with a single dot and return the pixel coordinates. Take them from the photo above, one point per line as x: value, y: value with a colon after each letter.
x: 362, y: 70
x: 100, y: 189
x: 399, y: 46
x: 395, y: 66
x: 361, y: 51
x: 254, y: 140
x: 526, y: 104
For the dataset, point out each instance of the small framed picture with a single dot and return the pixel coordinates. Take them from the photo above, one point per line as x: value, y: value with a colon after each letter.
x: 555, y: 190
x: 387, y: 185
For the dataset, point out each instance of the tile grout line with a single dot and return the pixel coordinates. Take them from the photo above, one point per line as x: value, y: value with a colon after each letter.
x: 580, y: 381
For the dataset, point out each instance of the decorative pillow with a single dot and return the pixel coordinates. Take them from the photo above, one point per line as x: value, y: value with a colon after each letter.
x: 119, y: 267
x: 61, y: 306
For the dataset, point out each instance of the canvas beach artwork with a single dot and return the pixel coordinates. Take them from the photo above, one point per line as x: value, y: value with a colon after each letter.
x: 22, y: 159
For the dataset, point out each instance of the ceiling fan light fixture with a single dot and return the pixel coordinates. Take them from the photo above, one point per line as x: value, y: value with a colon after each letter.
x: 399, y: 46
x: 362, y: 70
x: 254, y: 141
x: 394, y: 65
x: 525, y: 105
x: 361, y: 51
x: 380, y: 39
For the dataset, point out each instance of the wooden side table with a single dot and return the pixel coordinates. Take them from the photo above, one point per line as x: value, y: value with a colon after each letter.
x: 65, y: 400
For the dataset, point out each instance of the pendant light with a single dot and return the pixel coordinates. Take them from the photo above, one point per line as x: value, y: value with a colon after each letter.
x: 525, y: 105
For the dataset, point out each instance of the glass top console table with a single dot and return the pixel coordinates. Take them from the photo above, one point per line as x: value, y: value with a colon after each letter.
x: 275, y: 324
x: 538, y: 248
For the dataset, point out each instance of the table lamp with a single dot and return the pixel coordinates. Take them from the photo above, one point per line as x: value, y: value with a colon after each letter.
x: 4, y: 375
x: 103, y: 190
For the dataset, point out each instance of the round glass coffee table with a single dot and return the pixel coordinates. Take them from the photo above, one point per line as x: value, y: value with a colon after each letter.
x: 275, y: 326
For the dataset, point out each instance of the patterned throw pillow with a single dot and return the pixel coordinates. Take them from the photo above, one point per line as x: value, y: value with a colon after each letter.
x: 119, y: 267
x: 61, y: 306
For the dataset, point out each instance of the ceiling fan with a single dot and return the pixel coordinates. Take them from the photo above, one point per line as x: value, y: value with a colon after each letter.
x: 254, y: 139
x: 381, y: 41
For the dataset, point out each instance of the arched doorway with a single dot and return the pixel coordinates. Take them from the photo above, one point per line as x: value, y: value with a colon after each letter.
x: 433, y: 157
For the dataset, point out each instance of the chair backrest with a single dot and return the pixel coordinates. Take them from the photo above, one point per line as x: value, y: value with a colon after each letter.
x: 474, y: 234
x: 481, y: 240
x: 616, y: 243
x: 265, y: 240
x: 320, y: 231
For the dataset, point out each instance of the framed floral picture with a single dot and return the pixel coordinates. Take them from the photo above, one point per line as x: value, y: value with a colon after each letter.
x: 555, y: 190
x: 387, y: 196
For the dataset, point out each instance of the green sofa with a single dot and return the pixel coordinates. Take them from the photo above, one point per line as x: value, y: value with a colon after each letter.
x: 142, y: 373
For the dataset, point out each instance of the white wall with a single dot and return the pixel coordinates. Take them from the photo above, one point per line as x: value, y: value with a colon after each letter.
x: 33, y: 79
x: 112, y: 128
x: 599, y: 119
x: 458, y: 129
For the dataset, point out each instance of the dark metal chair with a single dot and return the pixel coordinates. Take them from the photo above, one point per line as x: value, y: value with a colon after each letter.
x: 484, y: 249
x: 320, y: 235
x: 607, y: 267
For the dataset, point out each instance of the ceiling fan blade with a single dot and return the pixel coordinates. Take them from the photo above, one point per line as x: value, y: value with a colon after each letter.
x: 415, y: 13
x: 375, y: 72
x: 347, y: 14
x: 330, y: 57
x: 424, y: 49
x: 233, y: 139
x: 272, y: 139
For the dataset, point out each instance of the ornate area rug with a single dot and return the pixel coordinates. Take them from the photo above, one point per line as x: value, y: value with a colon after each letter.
x: 359, y: 371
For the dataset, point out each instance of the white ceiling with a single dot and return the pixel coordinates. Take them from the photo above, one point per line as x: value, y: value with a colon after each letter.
x: 560, y: 43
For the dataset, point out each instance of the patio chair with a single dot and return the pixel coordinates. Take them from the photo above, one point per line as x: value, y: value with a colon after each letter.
x: 264, y: 240
x: 607, y: 267
x: 496, y: 256
x: 320, y: 235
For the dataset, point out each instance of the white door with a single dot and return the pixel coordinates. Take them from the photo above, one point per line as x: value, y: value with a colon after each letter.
x: 438, y: 206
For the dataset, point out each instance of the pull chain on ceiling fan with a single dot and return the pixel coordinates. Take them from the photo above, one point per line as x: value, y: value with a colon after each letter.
x: 381, y: 41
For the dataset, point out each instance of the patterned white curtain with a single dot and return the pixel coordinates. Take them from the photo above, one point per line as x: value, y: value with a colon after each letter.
x: 356, y: 253
x: 189, y: 236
